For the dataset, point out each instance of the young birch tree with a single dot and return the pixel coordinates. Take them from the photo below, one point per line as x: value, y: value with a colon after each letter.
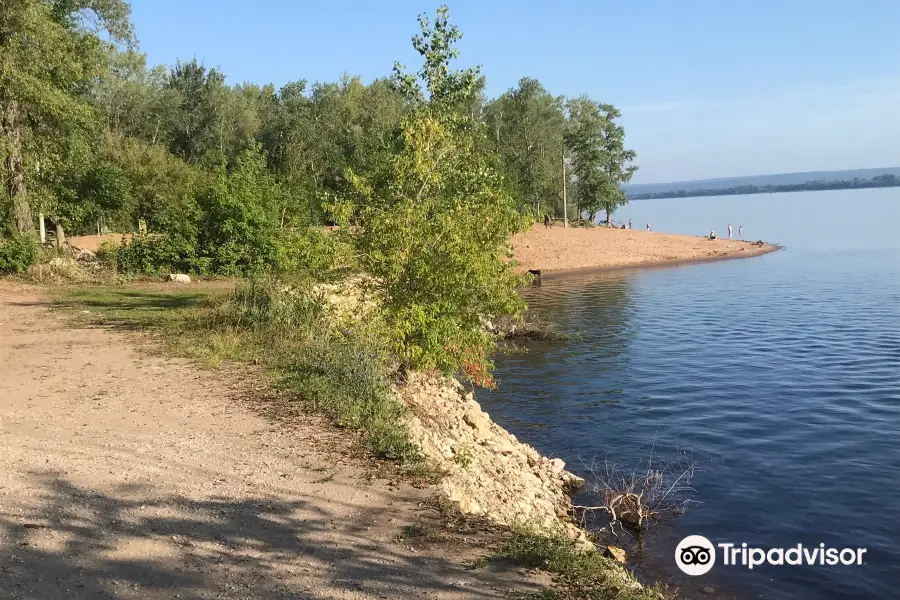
x: 433, y: 228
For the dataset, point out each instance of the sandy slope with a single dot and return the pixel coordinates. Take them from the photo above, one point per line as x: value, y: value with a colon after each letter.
x: 130, y: 476
x: 560, y: 249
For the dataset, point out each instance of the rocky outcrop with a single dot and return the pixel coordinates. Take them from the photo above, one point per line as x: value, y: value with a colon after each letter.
x: 488, y: 471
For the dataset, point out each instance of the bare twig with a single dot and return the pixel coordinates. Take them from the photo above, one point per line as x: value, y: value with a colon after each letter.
x: 642, y: 496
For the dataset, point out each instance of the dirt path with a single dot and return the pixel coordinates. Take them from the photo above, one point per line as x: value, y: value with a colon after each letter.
x: 130, y: 476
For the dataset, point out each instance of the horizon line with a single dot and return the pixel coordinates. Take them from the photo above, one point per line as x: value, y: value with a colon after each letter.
x: 712, y: 179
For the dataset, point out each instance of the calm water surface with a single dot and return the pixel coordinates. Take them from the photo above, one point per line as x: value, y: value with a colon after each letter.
x: 780, y: 374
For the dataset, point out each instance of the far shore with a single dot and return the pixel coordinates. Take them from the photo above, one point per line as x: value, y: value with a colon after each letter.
x: 563, y: 250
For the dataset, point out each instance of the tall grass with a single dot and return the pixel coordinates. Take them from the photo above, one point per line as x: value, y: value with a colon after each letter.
x: 580, y: 575
x: 343, y: 371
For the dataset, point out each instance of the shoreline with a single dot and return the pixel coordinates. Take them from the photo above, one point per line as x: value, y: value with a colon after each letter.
x: 513, y: 500
x: 150, y: 479
x: 575, y: 251
x: 662, y: 264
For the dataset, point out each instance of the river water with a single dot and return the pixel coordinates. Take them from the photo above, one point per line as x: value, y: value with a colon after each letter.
x: 779, y: 375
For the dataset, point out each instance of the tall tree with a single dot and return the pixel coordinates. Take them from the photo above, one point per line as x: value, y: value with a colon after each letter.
x: 50, y: 50
x: 527, y: 125
x: 600, y: 162
x: 134, y: 100
x: 213, y: 123
x: 618, y: 165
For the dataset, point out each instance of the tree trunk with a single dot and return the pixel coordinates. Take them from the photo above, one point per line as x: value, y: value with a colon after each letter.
x: 60, y: 236
x: 15, y: 185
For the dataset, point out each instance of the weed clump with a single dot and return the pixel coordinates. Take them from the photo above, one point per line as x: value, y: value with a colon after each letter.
x: 580, y: 574
x: 344, y: 370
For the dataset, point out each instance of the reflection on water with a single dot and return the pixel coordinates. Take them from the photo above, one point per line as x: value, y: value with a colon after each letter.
x: 780, y: 374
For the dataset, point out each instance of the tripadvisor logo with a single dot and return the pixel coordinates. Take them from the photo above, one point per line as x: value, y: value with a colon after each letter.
x: 696, y: 555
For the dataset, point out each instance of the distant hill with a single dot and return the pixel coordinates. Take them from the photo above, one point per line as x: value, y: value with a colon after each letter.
x: 758, y: 181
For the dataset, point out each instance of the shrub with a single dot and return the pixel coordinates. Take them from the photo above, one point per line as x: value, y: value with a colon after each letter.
x: 158, y: 254
x: 310, y: 250
x: 640, y: 496
x: 239, y: 226
x: 17, y: 254
x: 432, y: 228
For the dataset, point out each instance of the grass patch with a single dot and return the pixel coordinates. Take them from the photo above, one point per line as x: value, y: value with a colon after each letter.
x: 578, y: 575
x: 341, y: 371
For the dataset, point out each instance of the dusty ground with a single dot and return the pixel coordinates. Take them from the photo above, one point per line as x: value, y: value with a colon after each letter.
x: 124, y: 475
x: 93, y: 242
x: 560, y: 249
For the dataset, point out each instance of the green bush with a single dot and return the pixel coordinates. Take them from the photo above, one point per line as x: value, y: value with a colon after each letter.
x: 432, y: 227
x: 232, y: 227
x: 158, y: 254
x: 289, y: 254
x: 239, y: 227
x: 17, y: 254
x: 311, y: 251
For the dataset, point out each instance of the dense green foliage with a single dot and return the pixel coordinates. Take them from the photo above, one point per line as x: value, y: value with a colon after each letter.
x: 600, y: 162
x: 433, y: 228
x: 429, y: 177
x: 527, y: 126
x: 17, y: 253
x: 51, y: 52
x: 91, y: 134
x: 879, y: 181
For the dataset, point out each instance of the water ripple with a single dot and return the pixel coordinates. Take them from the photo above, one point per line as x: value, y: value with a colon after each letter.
x: 778, y: 375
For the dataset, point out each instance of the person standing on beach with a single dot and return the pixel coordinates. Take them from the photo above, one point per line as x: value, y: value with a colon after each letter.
x: 729, y: 231
x: 741, y: 232
x: 648, y: 227
x: 629, y: 223
x: 547, y: 221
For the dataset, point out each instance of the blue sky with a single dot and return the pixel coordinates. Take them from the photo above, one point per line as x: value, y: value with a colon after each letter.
x: 708, y: 88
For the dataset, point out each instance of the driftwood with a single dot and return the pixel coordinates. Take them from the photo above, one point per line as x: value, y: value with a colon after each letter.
x: 654, y: 490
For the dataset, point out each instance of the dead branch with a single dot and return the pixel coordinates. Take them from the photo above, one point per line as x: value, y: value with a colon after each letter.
x: 653, y: 490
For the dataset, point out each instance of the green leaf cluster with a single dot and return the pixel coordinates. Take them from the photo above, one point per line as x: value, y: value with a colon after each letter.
x: 433, y: 227
x: 600, y: 162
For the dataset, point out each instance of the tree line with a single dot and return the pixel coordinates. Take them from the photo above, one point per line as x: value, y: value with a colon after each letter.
x: 93, y: 135
x: 879, y: 181
x: 427, y: 178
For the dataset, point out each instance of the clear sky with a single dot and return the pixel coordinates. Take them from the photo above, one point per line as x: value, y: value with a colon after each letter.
x: 708, y: 88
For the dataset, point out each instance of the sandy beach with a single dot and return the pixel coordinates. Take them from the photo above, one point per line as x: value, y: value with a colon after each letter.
x: 559, y: 249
